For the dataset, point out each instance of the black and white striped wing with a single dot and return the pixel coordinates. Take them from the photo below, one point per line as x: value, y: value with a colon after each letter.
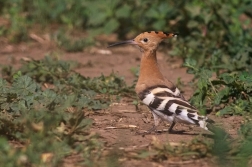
x: 170, y: 105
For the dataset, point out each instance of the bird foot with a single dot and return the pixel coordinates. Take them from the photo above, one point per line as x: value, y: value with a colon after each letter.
x: 147, y: 132
x: 176, y: 131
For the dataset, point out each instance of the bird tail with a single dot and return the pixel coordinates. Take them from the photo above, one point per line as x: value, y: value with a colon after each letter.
x: 207, y: 124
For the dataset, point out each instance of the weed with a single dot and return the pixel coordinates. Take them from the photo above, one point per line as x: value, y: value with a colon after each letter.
x: 195, y: 149
x: 230, y: 93
x: 65, y: 41
x: 34, y: 115
x: 34, y: 112
x: 60, y: 73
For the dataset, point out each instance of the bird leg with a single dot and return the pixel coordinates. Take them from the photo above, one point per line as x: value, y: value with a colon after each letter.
x: 172, y: 131
x: 171, y: 127
x: 152, y: 129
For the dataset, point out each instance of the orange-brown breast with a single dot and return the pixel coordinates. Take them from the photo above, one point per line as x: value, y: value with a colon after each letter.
x: 150, y: 74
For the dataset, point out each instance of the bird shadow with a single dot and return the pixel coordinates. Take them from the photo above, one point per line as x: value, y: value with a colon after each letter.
x: 181, y: 132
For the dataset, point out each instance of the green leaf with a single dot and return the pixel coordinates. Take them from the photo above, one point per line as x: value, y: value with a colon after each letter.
x: 3, y: 86
x: 153, y: 13
x: 192, y: 24
x: 159, y: 24
x: 226, y: 110
x: 194, y: 10
x: 97, y: 18
x: 24, y: 86
x: 17, y: 75
x: 5, y: 106
x: 190, y: 63
x: 202, y: 83
x: 111, y: 25
x: 227, y: 78
x: 123, y: 12
x: 221, y: 96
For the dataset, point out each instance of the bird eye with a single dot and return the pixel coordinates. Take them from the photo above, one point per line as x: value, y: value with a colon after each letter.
x: 145, y: 40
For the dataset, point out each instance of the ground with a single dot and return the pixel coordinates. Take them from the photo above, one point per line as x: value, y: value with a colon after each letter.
x: 119, y: 125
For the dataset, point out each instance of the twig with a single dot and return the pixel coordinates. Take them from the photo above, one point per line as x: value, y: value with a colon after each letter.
x: 121, y: 127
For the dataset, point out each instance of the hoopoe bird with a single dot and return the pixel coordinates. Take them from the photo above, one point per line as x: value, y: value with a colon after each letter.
x: 161, y: 96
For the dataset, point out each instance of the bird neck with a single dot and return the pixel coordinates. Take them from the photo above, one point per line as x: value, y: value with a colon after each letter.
x: 149, y: 70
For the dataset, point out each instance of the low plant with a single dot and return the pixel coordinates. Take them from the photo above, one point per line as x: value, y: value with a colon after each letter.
x: 43, y: 108
x: 227, y: 92
x: 30, y: 115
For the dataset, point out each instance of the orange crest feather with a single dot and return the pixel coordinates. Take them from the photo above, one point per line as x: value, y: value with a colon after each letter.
x: 161, y: 34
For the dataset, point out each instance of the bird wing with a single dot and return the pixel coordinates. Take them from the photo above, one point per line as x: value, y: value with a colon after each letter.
x: 170, y: 102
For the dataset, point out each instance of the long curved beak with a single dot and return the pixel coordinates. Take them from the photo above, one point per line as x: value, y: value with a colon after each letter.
x: 132, y: 42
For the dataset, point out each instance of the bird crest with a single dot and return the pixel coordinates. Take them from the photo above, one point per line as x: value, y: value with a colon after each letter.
x: 158, y: 34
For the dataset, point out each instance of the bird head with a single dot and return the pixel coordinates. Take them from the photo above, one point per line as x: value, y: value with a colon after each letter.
x: 147, y: 41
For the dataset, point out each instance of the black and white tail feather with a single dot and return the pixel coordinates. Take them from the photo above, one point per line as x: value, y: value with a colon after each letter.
x: 169, y: 105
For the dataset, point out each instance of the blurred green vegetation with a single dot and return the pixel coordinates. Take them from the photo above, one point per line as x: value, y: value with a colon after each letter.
x: 215, y: 42
x: 222, y: 28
